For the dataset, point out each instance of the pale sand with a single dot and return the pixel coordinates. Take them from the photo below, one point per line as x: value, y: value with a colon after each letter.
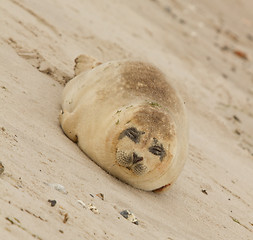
x: 194, y: 44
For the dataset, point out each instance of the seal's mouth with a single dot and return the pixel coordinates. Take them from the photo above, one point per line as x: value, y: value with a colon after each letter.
x: 132, y: 162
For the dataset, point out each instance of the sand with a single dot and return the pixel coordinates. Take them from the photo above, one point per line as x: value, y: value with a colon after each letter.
x: 205, y: 47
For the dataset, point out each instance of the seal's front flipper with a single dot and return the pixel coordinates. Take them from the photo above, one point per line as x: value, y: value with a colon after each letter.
x: 85, y: 63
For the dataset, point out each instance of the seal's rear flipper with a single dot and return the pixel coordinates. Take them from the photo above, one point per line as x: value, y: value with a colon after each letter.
x: 85, y: 63
x: 162, y: 189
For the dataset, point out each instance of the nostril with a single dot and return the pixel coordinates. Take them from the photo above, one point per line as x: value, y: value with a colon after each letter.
x: 136, y: 158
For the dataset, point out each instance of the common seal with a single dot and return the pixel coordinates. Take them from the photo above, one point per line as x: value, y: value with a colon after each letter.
x: 127, y: 118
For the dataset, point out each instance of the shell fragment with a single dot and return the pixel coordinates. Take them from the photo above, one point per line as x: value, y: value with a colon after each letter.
x: 81, y: 203
x: 93, y: 208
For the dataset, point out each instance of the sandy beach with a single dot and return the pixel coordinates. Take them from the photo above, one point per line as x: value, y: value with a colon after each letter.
x: 48, y: 185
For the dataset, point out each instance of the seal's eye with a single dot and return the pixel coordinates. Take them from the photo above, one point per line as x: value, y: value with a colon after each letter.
x: 157, y: 149
x: 132, y: 133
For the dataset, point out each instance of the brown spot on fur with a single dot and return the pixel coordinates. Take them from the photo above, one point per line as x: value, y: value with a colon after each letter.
x: 146, y: 80
x: 155, y: 121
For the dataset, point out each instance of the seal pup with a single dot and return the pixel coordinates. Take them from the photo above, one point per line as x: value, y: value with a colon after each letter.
x: 126, y: 117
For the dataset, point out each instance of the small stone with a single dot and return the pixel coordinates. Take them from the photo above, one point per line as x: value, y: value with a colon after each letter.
x: 204, y: 191
x: 129, y: 216
x: 53, y: 202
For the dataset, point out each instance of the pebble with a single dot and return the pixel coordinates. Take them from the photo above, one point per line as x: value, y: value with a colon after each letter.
x: 129, y: 216
x: 204, y: 191
x: 52, y: 202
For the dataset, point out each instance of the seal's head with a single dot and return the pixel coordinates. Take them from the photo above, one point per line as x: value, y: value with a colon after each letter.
x: 146, y: 142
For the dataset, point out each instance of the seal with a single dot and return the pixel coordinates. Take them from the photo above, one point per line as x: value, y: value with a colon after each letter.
x: 127, y: 117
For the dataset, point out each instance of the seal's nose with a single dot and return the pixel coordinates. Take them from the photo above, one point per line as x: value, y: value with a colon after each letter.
x: 136, y: 158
